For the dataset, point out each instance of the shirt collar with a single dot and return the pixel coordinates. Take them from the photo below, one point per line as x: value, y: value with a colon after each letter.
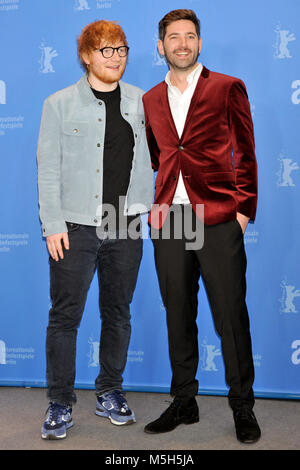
x: 191, y: 78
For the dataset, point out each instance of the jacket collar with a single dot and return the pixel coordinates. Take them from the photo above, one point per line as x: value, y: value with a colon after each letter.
x: 87, y: 96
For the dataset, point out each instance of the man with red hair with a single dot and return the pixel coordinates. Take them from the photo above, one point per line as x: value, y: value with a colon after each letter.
x: 95, y: 179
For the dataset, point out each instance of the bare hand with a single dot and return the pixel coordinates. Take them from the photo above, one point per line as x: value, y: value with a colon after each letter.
x: 55, y: 246
x: 242, y: 220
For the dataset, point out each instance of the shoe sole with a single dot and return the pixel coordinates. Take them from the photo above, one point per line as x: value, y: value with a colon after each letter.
x: 51, y: 436
x: 105, y: 414
x: 248, y: 441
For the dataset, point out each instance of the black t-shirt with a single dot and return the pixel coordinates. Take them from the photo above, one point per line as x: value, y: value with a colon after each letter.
x: 118, y: 151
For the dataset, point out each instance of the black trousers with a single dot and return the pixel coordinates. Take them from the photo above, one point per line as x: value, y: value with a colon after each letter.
x: 222, y: 264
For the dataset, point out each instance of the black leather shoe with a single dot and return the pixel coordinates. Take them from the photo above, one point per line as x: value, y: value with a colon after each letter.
x: 180, y: 411
x: 246, y: 426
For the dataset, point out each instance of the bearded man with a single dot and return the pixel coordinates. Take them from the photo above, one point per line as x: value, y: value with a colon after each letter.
x: 201, y: 140
x: 93, y: 159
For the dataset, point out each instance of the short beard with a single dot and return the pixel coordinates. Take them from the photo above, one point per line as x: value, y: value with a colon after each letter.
x: 182, y: 68
x: 106, y: 78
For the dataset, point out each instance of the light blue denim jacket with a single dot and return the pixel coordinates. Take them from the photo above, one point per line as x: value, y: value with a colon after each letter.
x: 70, y: 157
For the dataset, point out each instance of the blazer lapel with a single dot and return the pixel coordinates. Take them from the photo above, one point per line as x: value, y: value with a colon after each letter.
x: 166, y: 109
x: 195, y: 99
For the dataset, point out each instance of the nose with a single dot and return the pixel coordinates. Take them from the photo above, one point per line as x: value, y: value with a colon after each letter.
x: 116, y: 56
x: 183, y: 42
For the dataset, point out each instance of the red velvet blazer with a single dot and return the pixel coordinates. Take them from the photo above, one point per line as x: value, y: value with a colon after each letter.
x: 215, y: 153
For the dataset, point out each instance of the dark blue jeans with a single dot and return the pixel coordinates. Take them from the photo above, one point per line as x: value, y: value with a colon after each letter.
x: 117, y: 263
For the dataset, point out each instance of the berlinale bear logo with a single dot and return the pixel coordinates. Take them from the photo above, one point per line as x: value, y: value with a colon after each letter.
x: 82, y: 5
x: 283, y: 38
x: 289, y: 294
x: 48, y: 54
x: 287, y: 166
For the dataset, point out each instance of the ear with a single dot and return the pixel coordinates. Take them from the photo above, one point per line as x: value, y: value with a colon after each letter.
x: 86, y: 59
x: 160, y: 47
x: 200, y: 45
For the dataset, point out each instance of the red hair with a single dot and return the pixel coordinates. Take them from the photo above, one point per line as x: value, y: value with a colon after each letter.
x: 97, y: 33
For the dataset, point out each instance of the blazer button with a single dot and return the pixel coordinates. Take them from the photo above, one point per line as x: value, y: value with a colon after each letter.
x: 174, y: 178
x: 180, y: 147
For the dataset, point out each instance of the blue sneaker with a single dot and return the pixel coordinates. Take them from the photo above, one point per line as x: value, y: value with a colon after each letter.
x: 113, y: 405
x: 58, y: 420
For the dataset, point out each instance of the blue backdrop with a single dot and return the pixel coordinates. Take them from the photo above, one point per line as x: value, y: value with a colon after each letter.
x: 256, y: 41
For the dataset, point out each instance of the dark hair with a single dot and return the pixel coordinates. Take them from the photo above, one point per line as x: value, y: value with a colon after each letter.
x: 176, y: 15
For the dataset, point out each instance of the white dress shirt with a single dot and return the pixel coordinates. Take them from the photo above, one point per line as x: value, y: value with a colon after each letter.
x: 179, y: 105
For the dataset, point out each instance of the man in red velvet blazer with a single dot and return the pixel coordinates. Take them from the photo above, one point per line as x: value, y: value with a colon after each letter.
x: 200, y: 135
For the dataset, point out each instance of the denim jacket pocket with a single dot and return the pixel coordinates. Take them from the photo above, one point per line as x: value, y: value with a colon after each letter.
x: 74, y: 136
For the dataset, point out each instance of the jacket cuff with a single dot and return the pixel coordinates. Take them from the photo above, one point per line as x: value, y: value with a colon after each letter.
x: 51, y: 228
x: 247, y: 208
